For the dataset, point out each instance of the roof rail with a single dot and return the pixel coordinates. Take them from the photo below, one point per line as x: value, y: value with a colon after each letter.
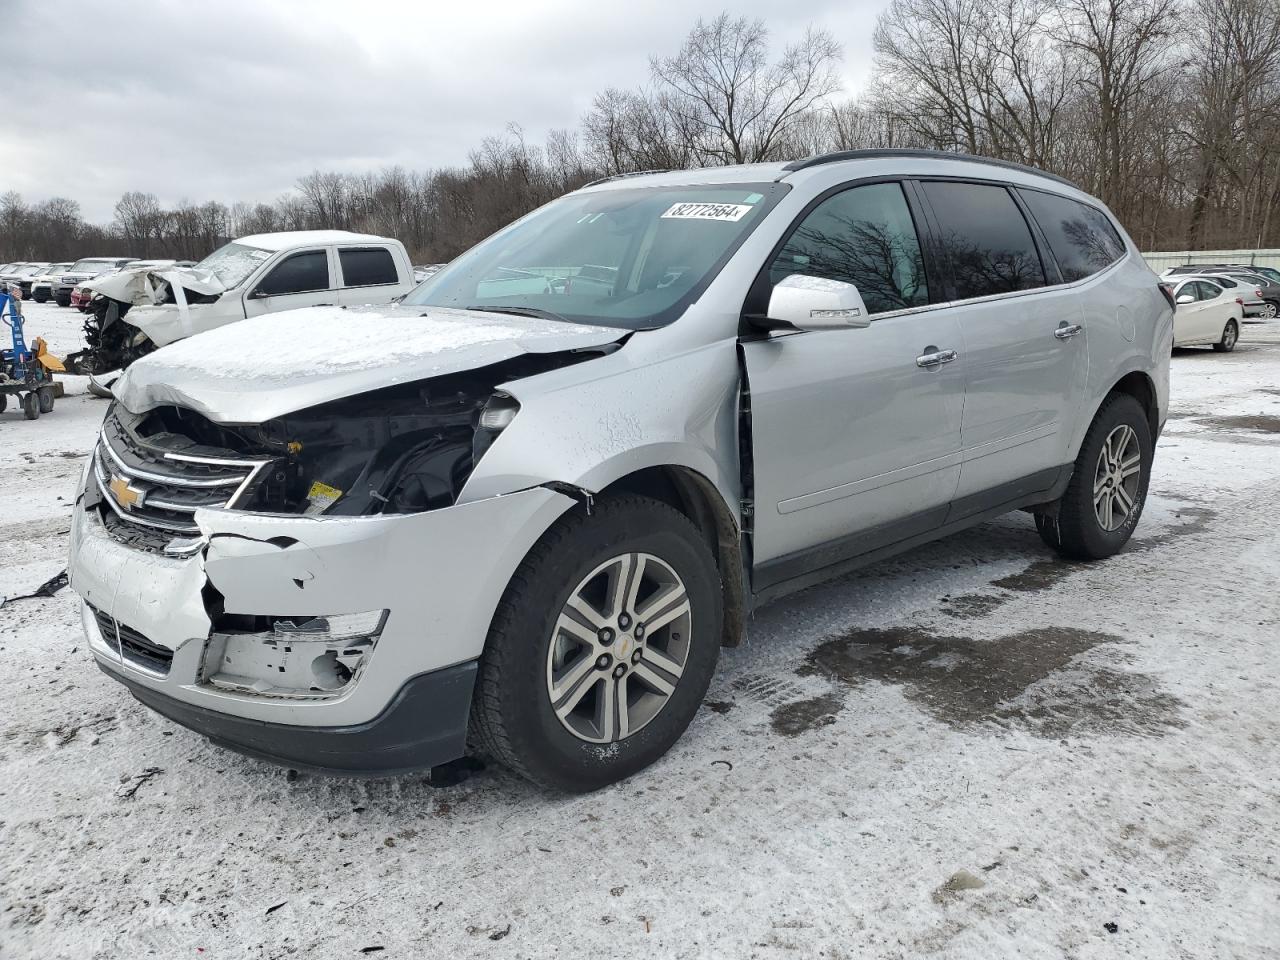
x: 881, y: 154
x: 622, y: 176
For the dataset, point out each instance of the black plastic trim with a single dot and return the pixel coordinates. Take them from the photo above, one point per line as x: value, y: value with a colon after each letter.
x: 424, y: 725
x: 805, y: 568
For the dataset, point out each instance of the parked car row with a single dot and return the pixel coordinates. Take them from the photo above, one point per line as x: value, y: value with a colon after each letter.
x: 1258, y: 287
x: 1212, y: 300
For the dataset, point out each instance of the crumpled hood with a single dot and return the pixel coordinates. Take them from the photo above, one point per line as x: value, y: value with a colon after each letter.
x: 138, y: 285
x: 261, y: 368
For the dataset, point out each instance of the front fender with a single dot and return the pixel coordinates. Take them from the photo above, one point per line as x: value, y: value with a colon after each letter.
x: 594, y: 423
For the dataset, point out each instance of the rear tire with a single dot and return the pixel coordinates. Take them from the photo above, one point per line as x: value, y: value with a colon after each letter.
x: 31, y: 405
x: 40, y: 297
x: 4, y: 401
x: 1230, y: 336
x: 582, y: 560
x: 1086, y: 527
x: 1270, y: 309
x: 45, y: 395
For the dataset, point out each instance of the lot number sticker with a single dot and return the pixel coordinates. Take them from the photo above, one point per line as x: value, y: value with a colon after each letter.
x: 732, y: 212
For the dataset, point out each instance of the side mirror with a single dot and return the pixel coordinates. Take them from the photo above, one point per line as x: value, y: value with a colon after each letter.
x: 803, y: 302
x: 1186, y: 298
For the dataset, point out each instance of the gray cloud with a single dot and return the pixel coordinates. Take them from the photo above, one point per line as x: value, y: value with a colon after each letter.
x: 235, y: 101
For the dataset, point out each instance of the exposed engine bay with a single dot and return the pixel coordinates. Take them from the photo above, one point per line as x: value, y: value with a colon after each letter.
x: 408, y: 448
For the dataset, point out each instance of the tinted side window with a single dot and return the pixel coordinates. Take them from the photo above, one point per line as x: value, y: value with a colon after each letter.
x: 986, y: 238
x: 367, y: 268
x: 1081, y: 237
x: 864, y: 236
x: 1208, y: 291
x: 300, y: 273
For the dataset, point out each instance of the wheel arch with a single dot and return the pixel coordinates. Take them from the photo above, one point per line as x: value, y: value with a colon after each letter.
x: 698, y: 498
x: 1139, y: 385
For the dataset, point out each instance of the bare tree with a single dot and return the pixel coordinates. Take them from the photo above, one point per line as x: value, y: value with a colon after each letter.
x: 738, y: 105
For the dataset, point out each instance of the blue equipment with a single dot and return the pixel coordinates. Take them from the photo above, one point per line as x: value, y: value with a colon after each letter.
x: 24, y: 372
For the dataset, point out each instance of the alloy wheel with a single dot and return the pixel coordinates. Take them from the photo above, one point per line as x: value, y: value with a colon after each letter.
x: 1116, y: 478
x: 619, y: 648
x: 1270, y: 310
x: 1229, y: 336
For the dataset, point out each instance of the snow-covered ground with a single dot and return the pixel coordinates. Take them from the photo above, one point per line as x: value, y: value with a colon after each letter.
x: 974, y: 751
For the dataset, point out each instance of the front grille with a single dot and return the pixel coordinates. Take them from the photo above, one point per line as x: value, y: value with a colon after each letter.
x: 160, y: 489
x: 132, y: 646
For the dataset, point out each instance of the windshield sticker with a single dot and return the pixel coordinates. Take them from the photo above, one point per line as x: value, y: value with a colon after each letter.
x: 755, y: 198
x: 733, y: 212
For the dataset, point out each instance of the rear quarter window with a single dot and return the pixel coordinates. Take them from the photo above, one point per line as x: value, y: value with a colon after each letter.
x: 1081, y: 238
x: 367, y: 267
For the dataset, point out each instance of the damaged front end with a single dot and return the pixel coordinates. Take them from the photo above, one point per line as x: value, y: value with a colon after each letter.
x: 267, y: 563
x: 163, y: 297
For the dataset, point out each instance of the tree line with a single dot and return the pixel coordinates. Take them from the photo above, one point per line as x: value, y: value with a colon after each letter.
x: 1167, y: 110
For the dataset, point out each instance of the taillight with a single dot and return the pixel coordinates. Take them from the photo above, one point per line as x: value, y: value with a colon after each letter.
x: 1258, y: 294
x: 1168, y: 295
x: 1240, y: 300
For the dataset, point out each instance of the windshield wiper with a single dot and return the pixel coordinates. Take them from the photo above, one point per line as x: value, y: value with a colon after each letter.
x: 520, y: 311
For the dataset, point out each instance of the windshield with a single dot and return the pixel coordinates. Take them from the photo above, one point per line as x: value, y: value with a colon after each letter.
x: 631, y: 258
x: 94, y: 267
x: 232, y: 263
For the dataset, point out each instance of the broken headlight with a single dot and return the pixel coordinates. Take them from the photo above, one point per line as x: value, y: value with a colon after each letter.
x: 309, y: 658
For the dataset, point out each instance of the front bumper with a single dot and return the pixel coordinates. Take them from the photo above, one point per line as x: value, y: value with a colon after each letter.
x: 424, y: 725
x: 440, y: 575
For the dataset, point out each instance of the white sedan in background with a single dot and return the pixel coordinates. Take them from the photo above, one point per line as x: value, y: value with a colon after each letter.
x: 1205, y: 312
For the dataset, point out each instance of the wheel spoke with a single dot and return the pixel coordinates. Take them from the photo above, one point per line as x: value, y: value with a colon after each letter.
x: 662, y: 661
x: 620, y: 584
x: 624, y: 716
x: 671, y: 603
x: 1125, y: 501
x: 655, y: 680
x: 1130, y: 466
x: 1099, y: 487
x: 564, y: 685
x: 588, y: 613
x: 565, y: 706
x: 576, y: 631
x: 1106, y: 511
x: 607, y: 710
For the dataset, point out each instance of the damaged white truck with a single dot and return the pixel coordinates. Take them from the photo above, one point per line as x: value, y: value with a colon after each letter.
x: 526, y: 506
x: 136, y: 310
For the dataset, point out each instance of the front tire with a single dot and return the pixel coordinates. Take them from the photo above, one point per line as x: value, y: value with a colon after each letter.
x: 602, y: 647
x: 1230, y: 336
x: 1103, y: 502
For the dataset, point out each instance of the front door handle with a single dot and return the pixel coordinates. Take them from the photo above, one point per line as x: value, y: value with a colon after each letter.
x: 1066, y: 330
x: 933, y: 357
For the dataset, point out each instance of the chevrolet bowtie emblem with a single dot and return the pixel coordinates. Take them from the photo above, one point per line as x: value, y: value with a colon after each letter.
x: 127, y: 496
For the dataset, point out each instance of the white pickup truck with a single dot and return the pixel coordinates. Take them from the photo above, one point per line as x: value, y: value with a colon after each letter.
x: 135, y: 311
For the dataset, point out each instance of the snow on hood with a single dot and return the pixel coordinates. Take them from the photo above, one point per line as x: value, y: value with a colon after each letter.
x: 257, y: 369
x: 142, y: 285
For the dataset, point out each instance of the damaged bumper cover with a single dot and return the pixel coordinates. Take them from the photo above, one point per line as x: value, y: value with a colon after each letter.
x: 376, y: 624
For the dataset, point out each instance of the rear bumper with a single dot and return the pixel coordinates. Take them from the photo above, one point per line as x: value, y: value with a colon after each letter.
x: 424, y: 725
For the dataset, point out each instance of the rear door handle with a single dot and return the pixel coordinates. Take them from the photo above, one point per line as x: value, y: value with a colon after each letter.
x: 1066, y: 331
x: 933, y: 357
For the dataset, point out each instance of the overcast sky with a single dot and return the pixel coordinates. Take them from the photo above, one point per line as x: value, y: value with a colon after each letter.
x: 235, y: 99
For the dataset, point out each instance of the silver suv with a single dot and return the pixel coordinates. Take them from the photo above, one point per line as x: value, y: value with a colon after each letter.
x: 525, y: 507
